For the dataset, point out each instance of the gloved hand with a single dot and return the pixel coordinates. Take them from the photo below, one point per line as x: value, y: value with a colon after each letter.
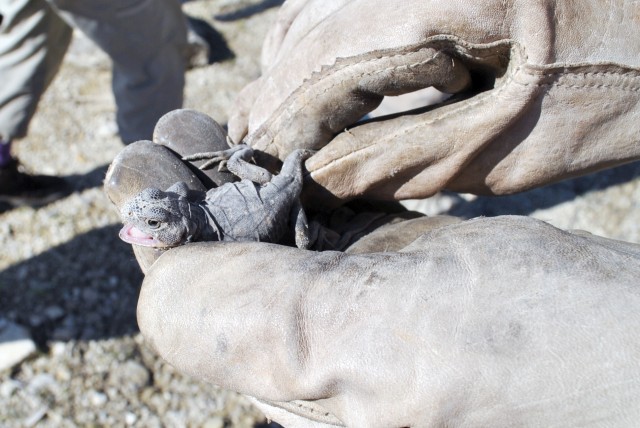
x: 545, y: 90
x: 490, y: 322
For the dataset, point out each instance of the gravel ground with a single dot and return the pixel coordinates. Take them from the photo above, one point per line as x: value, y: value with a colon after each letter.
x: 67, y: 278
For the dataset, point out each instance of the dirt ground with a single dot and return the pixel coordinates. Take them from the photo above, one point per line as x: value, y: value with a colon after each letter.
x: 67, y: 278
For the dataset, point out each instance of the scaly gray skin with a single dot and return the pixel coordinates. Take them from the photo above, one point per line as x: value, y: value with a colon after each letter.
x: 260, y: 207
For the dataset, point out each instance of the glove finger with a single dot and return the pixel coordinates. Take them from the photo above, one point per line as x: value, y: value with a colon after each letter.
x: 348, y: 25
x: 189, y: 132
x: 340, y: 95
x: 287, y: 14
x: 406, y: 318
x: 238, y: 124
x: 336, y: 34
x: 414, y: 156
x: 246, y: 101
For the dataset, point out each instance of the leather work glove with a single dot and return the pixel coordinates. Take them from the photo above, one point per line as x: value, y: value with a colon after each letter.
x: 494, y: 322
x: 544, y: 90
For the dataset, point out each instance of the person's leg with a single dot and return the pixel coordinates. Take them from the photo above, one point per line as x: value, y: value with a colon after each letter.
x: 33, y: 41
x: 146, y: 40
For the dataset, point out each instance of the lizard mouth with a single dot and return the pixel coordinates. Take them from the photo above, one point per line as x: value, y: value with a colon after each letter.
x: 133, y: 235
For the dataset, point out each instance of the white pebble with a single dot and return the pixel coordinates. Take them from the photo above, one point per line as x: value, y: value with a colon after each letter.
x: 97, y: 399
x: 130, y: 418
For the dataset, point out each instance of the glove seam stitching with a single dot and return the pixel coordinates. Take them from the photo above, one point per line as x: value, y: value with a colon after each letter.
x: 307, y: 411
x: 627, y: 76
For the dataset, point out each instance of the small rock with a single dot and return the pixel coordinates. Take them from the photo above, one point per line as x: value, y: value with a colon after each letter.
x: 35, y: 417
x: 129, y: 375
x: 53, y: 312
x: 130, y: 418
x: 42, y: 382
x: 63, y: 374
x: 89, y: 296
x: 112, y: 281
x: 215, y: 422
x: 8, y: 387
x: 15, y: 345
x: 57, y: 349
x: 107, y: 129
x: 35, y: 320
x: 97, y: 399
x: 197, y: 50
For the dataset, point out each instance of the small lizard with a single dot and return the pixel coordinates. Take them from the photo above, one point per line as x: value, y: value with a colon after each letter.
x: 260, y: 207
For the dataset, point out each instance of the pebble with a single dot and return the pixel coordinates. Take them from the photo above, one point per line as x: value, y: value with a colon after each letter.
x: 8, y: 387
x: 98, y: 399
x: 57, y: 349
x: 215, y: 422
x: 130, y: 418
x: 35, y: 417
x: 54, y: 312
x: 42, y: 382
x: 15, y: 344
x: 63, y: 374
x: 130, y: 375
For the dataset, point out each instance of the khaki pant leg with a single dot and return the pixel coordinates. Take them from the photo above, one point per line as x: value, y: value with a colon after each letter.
x: 33, y: 41
x: 146, y: 39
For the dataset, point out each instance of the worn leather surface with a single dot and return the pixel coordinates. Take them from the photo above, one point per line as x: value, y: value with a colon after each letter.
x: 395, y: 236
x: 547, y: 90
x: 499, y: 322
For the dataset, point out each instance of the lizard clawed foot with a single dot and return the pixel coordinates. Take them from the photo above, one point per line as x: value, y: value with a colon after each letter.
x: 211, y: 158
x: 220, y: 156
x: 221, y: 167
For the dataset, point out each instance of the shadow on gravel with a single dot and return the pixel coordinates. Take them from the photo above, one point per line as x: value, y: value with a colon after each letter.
x: 84, y: 289
x: 545, y: 197
x: 93, y: 178
x: 248, y: 10
x: 77, y: 183
x: 218, y: 48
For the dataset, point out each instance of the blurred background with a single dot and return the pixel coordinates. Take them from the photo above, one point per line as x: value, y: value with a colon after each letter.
x: 70, y: 351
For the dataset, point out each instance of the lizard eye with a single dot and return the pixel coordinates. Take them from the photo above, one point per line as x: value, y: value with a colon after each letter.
x: 154, y: 224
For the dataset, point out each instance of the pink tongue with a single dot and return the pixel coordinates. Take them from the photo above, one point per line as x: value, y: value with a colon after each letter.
x: 133, y: 235
x: 137, y: 233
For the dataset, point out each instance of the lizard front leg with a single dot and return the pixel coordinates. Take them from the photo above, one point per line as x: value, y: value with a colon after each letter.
x: 237, y: 160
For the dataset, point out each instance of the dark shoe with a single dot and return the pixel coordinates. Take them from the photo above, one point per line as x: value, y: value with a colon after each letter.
x: 18, y: 188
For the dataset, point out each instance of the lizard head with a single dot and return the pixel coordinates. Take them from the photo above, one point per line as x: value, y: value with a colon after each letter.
x: 154, y: 218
